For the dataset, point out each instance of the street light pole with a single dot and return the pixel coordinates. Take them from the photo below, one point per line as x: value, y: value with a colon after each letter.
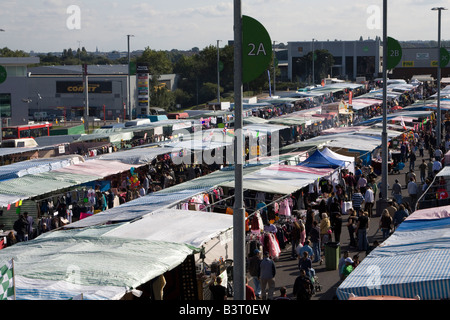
x: 274, y: 57
x: 218, y: 73
x: 130, y: 116
x: 238, y: 210
x: 313, y: 78
x: 439, y: 116
x: 385, y: 167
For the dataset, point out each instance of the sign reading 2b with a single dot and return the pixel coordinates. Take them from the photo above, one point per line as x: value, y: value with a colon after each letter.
x: 256, y: 49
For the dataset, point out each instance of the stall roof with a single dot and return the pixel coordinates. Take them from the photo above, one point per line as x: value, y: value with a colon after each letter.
x: 137, y: 156
x: 161, y: 199
x: 320, y: 160
x: 33, y: 185
x: 106, y: 267
x: 280, y: 179
x: 96, y: 168
x: 194, y: 228
x: 23, y: 168
x: 413, y: 261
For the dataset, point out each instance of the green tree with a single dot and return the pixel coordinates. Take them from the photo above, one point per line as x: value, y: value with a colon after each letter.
x: 158, y: 62
x: 6, y: 52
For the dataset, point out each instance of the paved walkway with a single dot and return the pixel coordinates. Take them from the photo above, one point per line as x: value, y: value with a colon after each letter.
x: 287, y: 269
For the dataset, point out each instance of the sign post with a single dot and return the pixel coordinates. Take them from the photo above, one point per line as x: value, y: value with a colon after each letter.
x: 252, y: 56
x: 394, y: 53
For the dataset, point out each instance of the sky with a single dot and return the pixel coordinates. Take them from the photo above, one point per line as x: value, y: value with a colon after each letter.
x: 54, y: 25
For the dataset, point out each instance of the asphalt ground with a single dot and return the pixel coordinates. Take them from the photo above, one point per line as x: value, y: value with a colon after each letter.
x: 287, y: 269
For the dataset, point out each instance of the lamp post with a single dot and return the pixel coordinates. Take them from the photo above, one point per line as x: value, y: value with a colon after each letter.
x: 130, y: 116
x: 438, y: 129
x: 274, y: 66
x: 238, y: 210
x: 313, y: 78
x: 384, y: 136
x: 218, y: 73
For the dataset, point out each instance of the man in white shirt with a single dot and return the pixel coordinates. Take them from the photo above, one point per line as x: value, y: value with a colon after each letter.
x: 369, y: 199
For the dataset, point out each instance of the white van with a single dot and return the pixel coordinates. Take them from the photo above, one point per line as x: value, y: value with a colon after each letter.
x: 19, y: 143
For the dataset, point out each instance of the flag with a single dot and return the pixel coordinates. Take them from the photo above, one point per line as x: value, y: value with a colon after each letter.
x: 403, y: 123
x: 7, y: 289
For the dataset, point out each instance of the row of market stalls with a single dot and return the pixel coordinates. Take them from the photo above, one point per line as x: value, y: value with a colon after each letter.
x: 412, y: 263
x: 149, y: 237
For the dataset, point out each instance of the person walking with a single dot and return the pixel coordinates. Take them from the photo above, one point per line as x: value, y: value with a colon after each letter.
x: 423, y: 171
x: 218, y: 291
x: 397, y: 192
x: 412, y: 160
x: 304, y: 263
x: 413, y: 191
x: 400, y: 215
x: 254, y: 263
x: 357, y: 201
x: 362, y: 226
x: 337, y: 227
x: 369, y: 200
x: 352, y: 221
x: 315, y: 241
x: 295, y: 238
x: 385, y: 223
x: 303, y: 288
x: 325, y: 226
x: 267, y: 275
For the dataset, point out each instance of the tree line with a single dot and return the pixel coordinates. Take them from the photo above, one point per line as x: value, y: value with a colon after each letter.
x: 196, y: 70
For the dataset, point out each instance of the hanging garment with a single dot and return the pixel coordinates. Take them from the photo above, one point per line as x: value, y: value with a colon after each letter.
x: 285, y: 209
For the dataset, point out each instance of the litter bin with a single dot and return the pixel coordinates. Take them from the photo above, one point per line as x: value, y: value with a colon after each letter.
x: 332, y: 255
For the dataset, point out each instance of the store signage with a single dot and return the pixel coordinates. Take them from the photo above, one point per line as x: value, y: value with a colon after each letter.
x: 143, y: 84
x: 78, y: 87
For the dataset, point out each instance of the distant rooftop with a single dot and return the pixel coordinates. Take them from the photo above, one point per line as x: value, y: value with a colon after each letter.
x: 115, y: 69
x: 18, y: 61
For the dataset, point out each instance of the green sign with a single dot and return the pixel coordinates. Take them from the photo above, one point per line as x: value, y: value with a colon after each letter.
x: 445, y: 57
x: 132, y: 68
x: 394, y: 53
x: 256, y: 49
x: 3, y: 74
x: 221, y: 66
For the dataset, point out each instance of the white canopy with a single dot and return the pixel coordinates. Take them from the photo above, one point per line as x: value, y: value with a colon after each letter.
x: 349, y: 161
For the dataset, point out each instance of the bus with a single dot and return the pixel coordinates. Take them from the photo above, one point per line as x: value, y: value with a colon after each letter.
x: 26, y: 131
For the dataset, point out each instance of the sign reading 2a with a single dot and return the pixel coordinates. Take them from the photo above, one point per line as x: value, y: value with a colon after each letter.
x: 256, y: 50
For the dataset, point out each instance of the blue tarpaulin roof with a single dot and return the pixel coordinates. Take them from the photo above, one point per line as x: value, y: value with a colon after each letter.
x: 319, y: 160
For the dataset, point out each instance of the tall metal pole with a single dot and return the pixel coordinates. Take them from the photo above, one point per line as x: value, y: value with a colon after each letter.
x: 313, y: 78
x: 274, y: 57
x: 218, y: 73
x: 439, y: 115
x: 238, y: 211
x: 384, y: 169
x: 130, y: 116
